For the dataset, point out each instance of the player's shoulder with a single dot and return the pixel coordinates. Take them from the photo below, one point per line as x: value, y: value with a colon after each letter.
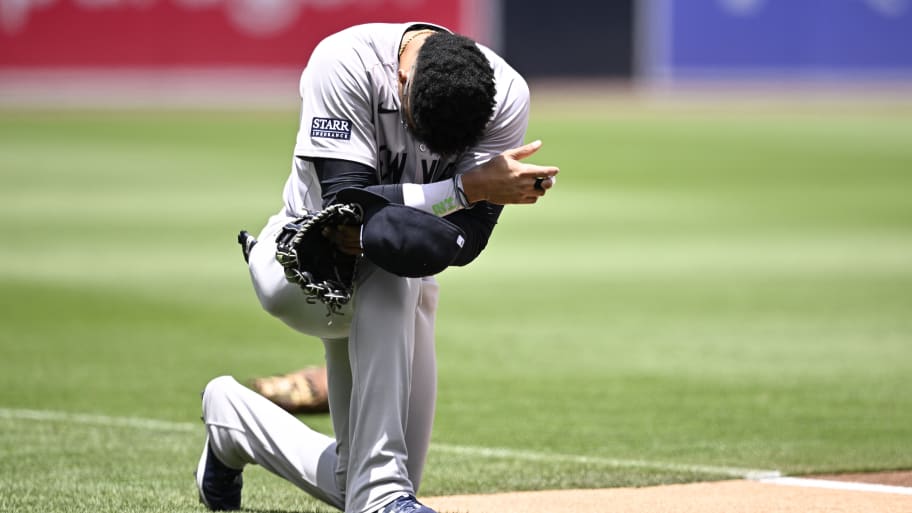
x: 368, y: 41
x: 352, y: 47
x: 380, y: 39
x: 357, y: 34
x: 512, y: 88
x: 503, y: 71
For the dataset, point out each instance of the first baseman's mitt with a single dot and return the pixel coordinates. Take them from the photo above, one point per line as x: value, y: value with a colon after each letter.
x: 301, y: 391
x: 313, y: 262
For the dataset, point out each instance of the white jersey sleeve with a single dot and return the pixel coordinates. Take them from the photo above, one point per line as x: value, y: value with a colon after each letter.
x: 337, y: 118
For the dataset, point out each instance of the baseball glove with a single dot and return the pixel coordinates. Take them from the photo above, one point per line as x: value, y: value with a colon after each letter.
x: 301, y: 391
x: 311, y: 261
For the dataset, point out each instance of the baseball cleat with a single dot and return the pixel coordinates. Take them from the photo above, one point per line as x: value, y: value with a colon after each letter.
x: 219, y: 486
x: 247, y: 243
x: 406, y: 504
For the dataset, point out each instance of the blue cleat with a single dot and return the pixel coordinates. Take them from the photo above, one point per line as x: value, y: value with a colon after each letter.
x: 406, y: 504
x: 219, y: 486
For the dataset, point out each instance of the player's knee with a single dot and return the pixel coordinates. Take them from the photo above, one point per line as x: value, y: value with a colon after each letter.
x: 276, y: 295
x: 269, y: 283
x: 221, y: 386
x: 216, y: 391
x: 271, y: 292
x: 273, y: 303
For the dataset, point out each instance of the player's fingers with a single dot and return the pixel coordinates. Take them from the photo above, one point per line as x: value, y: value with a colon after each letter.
x: 350, y: 239
x: 533, y: 196
x: 539, y: 171
x: 346, y: 238
x: 349, y: 248
x: 523, y: 151
x: 349, y: 232
x: 544, y: 183
x: 352, y: 249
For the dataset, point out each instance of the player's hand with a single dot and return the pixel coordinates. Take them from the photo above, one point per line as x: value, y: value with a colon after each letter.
x: 346, y: 238
x: 506, y: 180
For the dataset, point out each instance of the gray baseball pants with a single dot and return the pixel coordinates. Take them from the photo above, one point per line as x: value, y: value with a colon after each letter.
x: 382, y: 390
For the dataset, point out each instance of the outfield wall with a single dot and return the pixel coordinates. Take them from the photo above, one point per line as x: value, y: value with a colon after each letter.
x: 662, y: 40
x: 203, y: 33
x: 835, y: 40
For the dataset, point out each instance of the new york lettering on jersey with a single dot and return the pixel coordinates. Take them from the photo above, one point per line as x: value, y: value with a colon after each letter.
x: 434, y: 170
x: 393, y: 166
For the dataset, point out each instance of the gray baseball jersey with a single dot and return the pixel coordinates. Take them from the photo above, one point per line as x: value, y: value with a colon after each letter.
x: 350, y: 110
x: 380, y: 354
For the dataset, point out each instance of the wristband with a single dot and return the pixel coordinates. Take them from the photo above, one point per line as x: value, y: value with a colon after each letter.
x: 438, y: 198
x: 460, y: 192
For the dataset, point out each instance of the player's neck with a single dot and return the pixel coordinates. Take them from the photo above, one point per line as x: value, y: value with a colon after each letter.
x: 411, y: 36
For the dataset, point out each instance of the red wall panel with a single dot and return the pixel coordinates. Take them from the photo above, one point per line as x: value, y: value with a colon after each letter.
x: 192, y: 33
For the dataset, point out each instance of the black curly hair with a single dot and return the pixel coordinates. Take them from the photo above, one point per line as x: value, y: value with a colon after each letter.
x: 452, y: 93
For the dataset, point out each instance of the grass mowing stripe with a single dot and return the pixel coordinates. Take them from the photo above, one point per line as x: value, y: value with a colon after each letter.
x: 481, y: 452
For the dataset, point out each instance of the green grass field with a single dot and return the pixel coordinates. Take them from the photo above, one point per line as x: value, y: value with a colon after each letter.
x: 707, y: 292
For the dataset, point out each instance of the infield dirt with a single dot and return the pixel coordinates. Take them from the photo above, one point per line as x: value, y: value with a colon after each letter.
x: 715, y: 497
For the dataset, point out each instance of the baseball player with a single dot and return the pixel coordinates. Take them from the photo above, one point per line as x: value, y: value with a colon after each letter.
x: 427, y: 119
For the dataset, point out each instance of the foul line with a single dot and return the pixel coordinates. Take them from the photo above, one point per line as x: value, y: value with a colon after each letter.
x: 837, y: 485
x: 99, y: 420
x: 461, y: 450
x: 744, y: 473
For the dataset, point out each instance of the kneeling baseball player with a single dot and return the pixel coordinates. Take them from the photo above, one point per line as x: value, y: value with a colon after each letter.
x: 410, y: 143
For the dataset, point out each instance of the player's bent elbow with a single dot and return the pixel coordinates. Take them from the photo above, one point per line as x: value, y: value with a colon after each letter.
x: 469, y: 252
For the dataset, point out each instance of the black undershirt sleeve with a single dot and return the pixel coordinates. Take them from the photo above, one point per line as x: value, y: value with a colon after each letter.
x: 337, y: 174
x: 477, y: 222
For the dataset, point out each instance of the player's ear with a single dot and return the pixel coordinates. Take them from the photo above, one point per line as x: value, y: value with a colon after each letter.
x: 403, y: 77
